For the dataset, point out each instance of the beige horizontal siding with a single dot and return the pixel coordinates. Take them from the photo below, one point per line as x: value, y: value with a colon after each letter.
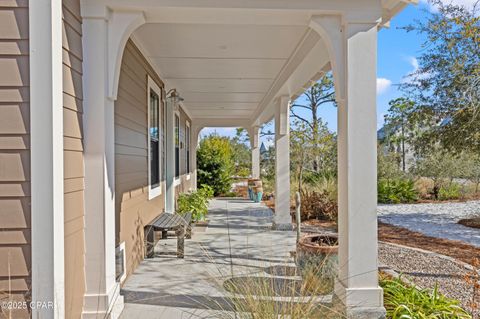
x: 133, y: 209
x: 74, y: 185
x: 15, y: 235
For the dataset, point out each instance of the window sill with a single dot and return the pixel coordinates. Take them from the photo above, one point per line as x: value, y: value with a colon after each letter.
x: 155, y: 192
x: 176, y: 181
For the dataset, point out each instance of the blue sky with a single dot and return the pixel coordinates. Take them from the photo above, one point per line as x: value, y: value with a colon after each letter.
x: 397, y: 52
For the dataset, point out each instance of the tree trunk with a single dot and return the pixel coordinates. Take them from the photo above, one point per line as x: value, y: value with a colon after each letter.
x: 315, y: 135
x: 403, y: 149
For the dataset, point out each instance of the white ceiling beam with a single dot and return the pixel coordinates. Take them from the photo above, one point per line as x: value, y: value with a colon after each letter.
x: 305, y: 46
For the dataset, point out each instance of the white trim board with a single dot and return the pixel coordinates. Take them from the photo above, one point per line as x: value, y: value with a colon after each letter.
x: 46, y: 157
x: 152, y: 86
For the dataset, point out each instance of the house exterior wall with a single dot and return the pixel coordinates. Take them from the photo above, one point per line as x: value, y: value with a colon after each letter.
x: 15, y: 213
x: 133, y: 208
x: 73, y: 159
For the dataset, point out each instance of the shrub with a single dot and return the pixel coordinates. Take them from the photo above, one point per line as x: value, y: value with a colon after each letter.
x: 318, y: 205
x: 195, y: 203
x: 451, y: 191
x: 214, y: 163
x: 402, y: 301
x: 397, y: 191
x: 206, y: 191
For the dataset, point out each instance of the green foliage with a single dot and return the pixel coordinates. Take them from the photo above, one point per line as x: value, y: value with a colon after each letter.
x: 206, y: 191
x: 471, y: 168
x: 195, y: 202
x: 445, y: 85
x: 312, y: 145
x: 241, y: 153
x: 440, y: 166
x: 450, y: 191
x: 399, y: 128
x: 396, y: 191
x: 388, y: 165
x: 214, y: 163
x: 405, y: 302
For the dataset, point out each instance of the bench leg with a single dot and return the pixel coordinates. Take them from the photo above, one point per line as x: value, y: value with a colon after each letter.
x: 149, y: 242
x: 189, y: 232
x: 180, y: 232
x: 164, y: 234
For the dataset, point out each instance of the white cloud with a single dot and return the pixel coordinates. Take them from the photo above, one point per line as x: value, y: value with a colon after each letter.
x: 383, y: 85
x: 414, y: 63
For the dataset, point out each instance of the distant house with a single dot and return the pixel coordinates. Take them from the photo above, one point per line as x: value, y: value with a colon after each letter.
x: 263, y: 150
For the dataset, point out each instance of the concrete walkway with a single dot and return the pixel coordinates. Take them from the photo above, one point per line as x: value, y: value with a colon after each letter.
x: 238, y: 242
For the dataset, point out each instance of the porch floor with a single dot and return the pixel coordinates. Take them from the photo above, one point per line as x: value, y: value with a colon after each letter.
x: 238, y: 241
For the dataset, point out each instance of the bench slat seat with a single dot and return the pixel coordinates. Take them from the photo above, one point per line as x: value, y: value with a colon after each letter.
x: 168, y: 222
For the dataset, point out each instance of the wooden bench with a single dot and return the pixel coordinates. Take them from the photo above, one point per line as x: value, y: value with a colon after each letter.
x: 181, y: 224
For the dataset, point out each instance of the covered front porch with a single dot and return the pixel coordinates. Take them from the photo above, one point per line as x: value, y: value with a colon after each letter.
x: 223, y: 64
x: 239, y: 243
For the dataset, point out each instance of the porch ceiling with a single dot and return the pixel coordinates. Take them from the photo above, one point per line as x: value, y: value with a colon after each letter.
x: 221, y: 70
x: 231, y: 59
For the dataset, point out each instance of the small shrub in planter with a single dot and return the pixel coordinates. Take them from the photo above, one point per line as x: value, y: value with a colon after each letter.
x: 397, y: 191
x: 317, y: 256
x: 195, y: 203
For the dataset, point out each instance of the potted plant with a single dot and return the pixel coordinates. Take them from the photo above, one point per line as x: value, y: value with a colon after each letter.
x: 196, y: 202
x: 318, y: 254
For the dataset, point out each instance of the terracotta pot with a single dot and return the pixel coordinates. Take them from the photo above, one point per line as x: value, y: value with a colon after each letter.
x: 318, y: 254
x: 258, y: 183
x: 328, y: 244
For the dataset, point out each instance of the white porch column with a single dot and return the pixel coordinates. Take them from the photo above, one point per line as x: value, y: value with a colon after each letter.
x: 46, y: 151
x: 357, y: 285
x: 170, y: 156
x: 282, y: 219
x: 102, y: 297
x: 254, y: 133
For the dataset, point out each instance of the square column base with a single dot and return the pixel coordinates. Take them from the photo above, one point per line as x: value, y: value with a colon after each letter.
x: 96, y: 306
x: 359, y: 303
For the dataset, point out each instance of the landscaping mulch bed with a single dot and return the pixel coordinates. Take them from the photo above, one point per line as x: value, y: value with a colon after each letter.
x: 452, y: 248
x: 470, y: 222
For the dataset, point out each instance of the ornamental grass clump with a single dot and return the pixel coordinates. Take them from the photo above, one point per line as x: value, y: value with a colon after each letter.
x: 409, y: 302
x: 267, y: 297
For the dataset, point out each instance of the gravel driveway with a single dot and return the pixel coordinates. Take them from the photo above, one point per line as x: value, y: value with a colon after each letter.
x: 425, y: 269
x: 437, y: 219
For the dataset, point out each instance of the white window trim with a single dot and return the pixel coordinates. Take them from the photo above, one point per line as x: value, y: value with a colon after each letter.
x: 176, y: 179
x: 151, y: 85
x: 187, y: 159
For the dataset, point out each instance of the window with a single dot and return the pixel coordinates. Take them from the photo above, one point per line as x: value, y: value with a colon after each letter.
x: 154, y: 146
x: 177, y: 146
x: 187, y: 147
